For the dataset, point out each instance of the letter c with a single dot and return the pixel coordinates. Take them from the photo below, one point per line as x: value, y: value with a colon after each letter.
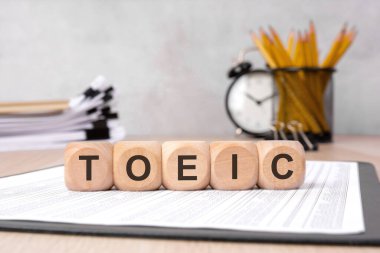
x: 275, y: 172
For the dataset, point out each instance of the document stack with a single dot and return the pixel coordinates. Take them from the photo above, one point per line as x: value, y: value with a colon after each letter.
x: 51, y: 124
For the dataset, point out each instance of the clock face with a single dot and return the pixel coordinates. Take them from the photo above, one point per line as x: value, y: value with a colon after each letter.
x: 250, y: 102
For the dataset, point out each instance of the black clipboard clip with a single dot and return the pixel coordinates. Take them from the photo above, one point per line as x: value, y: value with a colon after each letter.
x: 293, y: 130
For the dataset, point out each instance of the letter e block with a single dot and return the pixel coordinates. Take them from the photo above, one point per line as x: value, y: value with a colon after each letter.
x: 185, y: 165
x: 281, y: 164
x: 234, y: 165
x: 88, y: 166
x: 137, y: 165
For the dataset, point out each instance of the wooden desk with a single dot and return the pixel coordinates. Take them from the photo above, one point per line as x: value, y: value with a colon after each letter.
x: 361, y: 148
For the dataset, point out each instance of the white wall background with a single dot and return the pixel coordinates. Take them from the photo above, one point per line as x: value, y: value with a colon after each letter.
x: 168, y: 58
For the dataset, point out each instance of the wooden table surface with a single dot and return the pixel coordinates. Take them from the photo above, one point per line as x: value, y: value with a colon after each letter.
x: 348, y: 148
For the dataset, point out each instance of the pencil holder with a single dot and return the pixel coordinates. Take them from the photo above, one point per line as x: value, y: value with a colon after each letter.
x: 306, y: 95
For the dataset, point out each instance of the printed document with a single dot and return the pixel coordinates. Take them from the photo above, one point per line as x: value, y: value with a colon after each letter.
x: 328, y: 202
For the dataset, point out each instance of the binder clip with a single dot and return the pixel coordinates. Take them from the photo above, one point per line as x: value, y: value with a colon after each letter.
x: 308, y: 141
x: 293, y: 130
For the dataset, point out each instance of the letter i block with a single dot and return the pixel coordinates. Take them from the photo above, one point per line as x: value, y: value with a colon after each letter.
x: 234, y: 165
x: 185, y: 165
x: 88, y: 166
x: 137, y: 165
x: 281, y: 164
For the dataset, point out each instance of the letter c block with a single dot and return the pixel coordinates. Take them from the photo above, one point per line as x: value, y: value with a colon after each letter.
x: 137, y: 165
x: 281, y: 164
x: 88, y: 166
x: 185, y: 165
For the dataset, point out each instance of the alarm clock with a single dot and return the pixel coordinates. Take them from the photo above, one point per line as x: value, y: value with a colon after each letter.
x: 250, y: 100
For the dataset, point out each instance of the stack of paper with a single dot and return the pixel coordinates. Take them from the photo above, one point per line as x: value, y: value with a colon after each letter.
x: 40, y: 125
x: 329, y: 202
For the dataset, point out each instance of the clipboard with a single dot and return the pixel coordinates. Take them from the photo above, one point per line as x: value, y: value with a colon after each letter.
x: 370, y: 192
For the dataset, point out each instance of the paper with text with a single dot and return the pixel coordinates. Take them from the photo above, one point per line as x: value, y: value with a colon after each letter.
x: 328, y: 202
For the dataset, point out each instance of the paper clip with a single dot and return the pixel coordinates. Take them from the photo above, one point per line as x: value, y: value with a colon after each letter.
x: 302, y: 133
x: 275, y: 133
x: 293, y: 130
x: 281, y: 131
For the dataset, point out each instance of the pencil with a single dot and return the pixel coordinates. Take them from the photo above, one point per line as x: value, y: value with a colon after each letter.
x: 301, y: 92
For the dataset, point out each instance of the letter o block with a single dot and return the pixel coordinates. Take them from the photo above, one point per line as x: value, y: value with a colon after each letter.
x: 88, y: 166
x: 234, y: 165
x: 281, y: 164
x: 137, y: 165
x: 185, y: 165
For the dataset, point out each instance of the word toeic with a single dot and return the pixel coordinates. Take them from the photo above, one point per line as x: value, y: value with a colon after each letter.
x: 184, y: 165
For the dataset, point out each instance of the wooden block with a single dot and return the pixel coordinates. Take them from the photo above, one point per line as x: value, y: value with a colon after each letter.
x: 88, y: 166
x: 137, y: 165
x: 234, y: 165
x: 185, y: 165
x: 281, y: 164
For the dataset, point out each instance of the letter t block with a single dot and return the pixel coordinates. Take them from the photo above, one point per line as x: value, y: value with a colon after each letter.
x: 88, y: 166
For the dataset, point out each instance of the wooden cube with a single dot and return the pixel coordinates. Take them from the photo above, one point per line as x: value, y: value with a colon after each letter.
x: 185, y: 165
x: 137, y: 165
x: 234, y: 165
x: 281, y: 164
x: 88, y: 166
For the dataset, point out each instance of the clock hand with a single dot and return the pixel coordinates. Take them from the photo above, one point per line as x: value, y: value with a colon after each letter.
x: 258, y: 102
x: 267, y: 98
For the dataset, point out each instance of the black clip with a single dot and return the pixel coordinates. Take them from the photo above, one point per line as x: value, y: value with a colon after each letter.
x: 307, y: 140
